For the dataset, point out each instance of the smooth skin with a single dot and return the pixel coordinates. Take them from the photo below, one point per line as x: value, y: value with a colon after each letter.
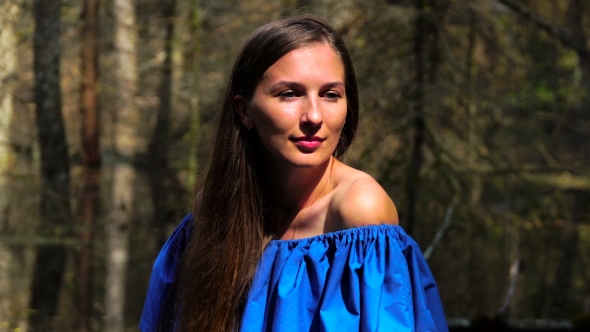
x: 298, y: 110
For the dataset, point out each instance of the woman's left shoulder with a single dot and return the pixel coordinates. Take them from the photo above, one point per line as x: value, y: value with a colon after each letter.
x: 359, y: 200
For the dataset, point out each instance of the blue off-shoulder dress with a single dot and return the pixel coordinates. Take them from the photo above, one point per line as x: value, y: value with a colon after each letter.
x: 371, y: 278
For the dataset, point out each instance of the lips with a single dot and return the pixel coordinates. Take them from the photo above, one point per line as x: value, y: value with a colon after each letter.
x: 308, y: 142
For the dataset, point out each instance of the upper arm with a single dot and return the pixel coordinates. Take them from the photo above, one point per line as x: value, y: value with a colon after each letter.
x: 365, y: 202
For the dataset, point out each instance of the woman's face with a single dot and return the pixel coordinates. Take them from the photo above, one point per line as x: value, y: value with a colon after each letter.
x: 299, y: 106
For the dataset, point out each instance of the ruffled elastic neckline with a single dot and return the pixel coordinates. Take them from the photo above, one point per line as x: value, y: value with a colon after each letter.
x: 368, y: 231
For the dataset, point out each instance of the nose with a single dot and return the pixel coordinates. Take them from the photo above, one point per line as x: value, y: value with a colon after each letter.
x: 312, y: 114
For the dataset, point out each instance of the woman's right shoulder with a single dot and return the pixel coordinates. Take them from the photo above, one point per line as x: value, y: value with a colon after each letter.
x: 359, y: 200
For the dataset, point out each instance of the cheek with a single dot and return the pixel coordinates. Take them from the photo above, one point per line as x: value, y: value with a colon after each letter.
x: 338, y: 119
x: 269, y: 120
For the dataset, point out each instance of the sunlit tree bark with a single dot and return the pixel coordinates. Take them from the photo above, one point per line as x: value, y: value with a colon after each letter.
x: 117, y: 246
x: 126, y: 144
x: 8, y: 58
x: 16, y: 191
x: 9, y: 260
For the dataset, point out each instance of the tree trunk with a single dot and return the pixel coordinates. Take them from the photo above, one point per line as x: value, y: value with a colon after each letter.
x: 117, y: 232
x: 91, y: 159
x: 418, y: 123
x: 164, y: 186
x: 160, y: 143
x: 193, y: 61
x: 88, y: 97
x: 471, y: 111
x: 55, y: 202
x: 126, y: 145
x: 87, y: 216
x: 13, y: 262
x: 8, y: 57
x: 18, y: 187
x: 576, y: 27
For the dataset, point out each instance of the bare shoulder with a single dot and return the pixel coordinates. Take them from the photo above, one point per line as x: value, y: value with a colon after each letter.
x: 359, y: 200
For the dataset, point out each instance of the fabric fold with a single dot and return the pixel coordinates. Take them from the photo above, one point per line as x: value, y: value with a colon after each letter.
x: 370, y: 278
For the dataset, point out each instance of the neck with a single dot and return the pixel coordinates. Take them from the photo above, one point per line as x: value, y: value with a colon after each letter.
x: 294, y: 189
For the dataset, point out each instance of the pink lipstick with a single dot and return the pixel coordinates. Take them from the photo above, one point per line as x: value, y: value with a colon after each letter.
x: 308, y: 142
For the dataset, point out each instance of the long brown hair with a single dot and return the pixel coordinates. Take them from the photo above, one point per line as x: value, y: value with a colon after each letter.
x: 230, y: 227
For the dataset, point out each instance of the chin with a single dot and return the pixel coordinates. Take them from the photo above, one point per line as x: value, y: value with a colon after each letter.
x: 308, y: 160
x: 297, y: 158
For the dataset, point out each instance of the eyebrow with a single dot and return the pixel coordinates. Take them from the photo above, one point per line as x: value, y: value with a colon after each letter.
x: 281, y: 84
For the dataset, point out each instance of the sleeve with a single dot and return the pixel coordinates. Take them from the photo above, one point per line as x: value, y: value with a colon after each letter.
x: 159, y: 312
x: 427, y: 304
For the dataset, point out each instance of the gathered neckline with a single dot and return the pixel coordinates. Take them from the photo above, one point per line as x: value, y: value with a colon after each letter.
x: 334, y: 234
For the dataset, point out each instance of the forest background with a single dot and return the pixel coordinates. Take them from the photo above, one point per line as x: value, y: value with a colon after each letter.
x: 474, y: 118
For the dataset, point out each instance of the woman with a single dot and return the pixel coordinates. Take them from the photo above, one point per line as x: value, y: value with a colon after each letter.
x: 284, y: 236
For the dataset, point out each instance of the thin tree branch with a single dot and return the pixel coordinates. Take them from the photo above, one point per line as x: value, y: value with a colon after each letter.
x: 441, y: 232
x: 514, y: 269
x: 552, y: 30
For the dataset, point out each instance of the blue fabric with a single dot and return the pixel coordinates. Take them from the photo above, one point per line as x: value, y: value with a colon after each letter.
x: 159, y: 312
x: 371, y: 278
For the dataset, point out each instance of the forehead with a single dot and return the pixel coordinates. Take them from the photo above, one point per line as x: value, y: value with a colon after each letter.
x: 315, y: 61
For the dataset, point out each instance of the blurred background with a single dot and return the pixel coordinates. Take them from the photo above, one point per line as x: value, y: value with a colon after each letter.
x: 474, y: 118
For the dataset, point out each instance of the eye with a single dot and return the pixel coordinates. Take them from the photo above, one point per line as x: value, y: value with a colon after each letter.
x: 288, y: 95
x: 332, y: 95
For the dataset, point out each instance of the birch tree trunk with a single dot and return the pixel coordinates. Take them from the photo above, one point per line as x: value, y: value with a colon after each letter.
x: 8, y: 58
x: 55, y: 202
x: 126, y: 146
x: 12, y: 266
